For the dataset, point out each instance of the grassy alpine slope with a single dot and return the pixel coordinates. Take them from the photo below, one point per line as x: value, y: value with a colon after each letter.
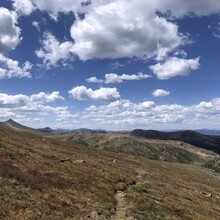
x: 34, y: 184
x: 123, y: 142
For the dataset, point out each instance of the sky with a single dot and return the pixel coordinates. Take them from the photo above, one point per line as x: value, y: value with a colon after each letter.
x: 110, y: 64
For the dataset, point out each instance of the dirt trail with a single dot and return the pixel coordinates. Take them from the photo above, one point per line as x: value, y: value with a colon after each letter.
x: 121, y: 207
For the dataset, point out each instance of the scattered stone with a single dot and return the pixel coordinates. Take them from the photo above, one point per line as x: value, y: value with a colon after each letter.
x: 207, y: 194
x: 98, y: 216
x: 78, y: 161
x: 162, y: 158
x: 156, y: 202
x: 92, y: 216
x: 71, y: 161
x: 64, y: 160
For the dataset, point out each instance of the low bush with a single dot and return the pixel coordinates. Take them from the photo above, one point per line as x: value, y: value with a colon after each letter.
x: 32, y: 178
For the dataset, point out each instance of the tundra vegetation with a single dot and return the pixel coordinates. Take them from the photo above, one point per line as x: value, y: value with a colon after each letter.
x: 49, y: 177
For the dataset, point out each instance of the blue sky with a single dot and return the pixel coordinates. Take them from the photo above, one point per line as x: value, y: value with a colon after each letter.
x: 110, y: 64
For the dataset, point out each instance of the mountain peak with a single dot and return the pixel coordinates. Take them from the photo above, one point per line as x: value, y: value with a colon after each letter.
x: 10, y: 120
x: 46, y: 130
x: 15, y: 125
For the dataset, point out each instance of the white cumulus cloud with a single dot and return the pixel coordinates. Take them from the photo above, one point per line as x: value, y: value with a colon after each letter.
x: 11, y: 69
x: 189, y: 7
x: 102, y: 94
x: 9, y: 31
x: 53, y: 51
x: 24, y: 7
x: 94, y: 79
x: 36, y: 25
x: 177, y: 9
x: 46, y: 97
x: 53, y: 7
x: 18, y: 100
x: 147, y: 114
x: 116, y: 29
x: 24, y: 107
x: 115, y: 78
x: 160, y: 93
x: 175, y: 67
x: 11, y: 101
x: 145, y: 105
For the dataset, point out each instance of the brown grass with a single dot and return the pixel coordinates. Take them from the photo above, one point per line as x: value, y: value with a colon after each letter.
x: 33, y: 185
x: 174, y: 191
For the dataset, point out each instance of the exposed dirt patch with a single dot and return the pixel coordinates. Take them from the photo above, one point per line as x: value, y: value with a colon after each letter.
x: 121, y: 208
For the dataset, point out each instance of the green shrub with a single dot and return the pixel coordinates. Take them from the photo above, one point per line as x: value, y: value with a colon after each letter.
x: 11, y: 155
x: 140, y: 189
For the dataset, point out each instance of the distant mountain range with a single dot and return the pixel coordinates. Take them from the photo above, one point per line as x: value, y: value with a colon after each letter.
x: 209, y: 131
x: 197, y: 138
x: 208, y: 142
x: 11, y: 124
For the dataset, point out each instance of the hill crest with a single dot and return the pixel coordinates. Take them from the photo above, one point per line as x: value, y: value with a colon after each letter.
x: 208, y: 142
x: 11, y: 124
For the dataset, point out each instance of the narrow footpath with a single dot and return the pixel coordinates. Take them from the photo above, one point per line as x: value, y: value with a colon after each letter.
x: 121, y: 207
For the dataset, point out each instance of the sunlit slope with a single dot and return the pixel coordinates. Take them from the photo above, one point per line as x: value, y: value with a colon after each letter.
x: 44, y: 178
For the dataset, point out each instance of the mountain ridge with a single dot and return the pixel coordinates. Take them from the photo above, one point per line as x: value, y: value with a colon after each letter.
x: 11, y: 124
x: 209, y: 142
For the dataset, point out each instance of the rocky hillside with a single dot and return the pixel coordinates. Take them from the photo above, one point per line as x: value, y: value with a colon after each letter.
x: 213, y: 164
x: 166, y: 150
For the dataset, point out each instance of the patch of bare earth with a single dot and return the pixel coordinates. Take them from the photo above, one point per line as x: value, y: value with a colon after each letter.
x: 121, y: 208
